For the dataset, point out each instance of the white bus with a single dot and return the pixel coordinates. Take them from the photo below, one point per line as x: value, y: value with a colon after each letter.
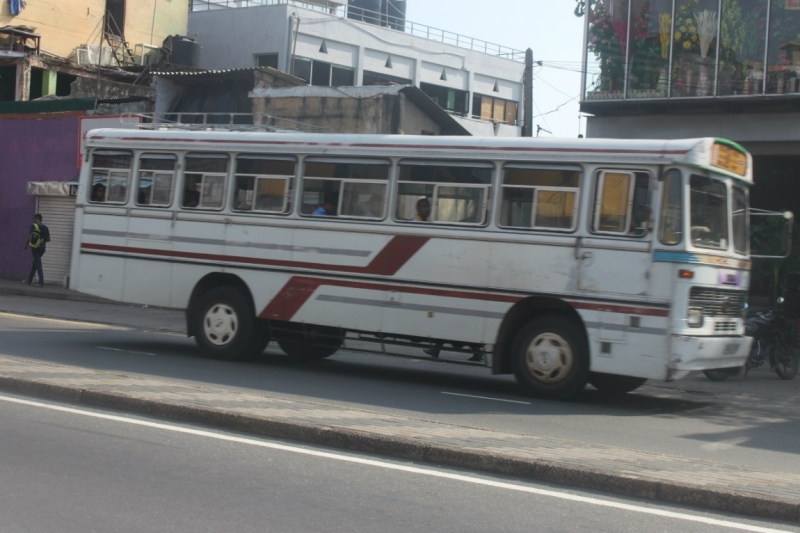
x: 565, y: 262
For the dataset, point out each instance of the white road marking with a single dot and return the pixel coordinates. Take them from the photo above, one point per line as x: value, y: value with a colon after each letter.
x: 723, y: 445
x: 485, y: 398
x: 402, y: 468
x: 124, y: 351
x: 70, y: 322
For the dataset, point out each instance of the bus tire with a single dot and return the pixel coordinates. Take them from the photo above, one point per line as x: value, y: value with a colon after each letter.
x: 311, y: 343
x: 225, y: 325
x: 550, y: 358
x: 613, y: 384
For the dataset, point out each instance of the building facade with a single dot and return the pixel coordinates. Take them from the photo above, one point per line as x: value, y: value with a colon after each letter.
x: 696, y: 68
x: 329, y: 43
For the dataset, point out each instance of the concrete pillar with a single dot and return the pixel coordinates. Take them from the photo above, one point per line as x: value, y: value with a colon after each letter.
x: 49, y: 80
x: 359, y: 81
x: 23, y: 89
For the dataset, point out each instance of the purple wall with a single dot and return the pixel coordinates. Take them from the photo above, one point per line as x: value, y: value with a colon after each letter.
x: 34, y: 148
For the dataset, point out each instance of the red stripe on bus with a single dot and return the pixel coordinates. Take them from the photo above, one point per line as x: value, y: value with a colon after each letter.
x: 288, y: 301
x: 388, y: 262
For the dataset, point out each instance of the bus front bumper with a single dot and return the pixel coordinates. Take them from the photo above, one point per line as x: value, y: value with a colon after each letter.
x: 688, y: 354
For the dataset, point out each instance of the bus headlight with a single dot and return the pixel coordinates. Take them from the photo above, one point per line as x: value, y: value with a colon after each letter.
x: 695, y: 317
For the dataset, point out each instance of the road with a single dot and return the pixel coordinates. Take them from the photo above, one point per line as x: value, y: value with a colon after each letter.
x: 71, y: 469
x: 752, y: 421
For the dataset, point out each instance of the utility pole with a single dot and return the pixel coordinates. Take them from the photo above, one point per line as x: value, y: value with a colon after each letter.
x: 527, y: 86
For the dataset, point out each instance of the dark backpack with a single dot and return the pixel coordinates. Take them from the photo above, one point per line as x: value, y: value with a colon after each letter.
x: 36, y: 239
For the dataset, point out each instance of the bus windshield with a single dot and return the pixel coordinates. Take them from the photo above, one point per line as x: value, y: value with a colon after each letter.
x: 709, y: 212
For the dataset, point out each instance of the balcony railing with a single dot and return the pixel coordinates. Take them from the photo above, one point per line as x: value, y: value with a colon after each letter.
x: 341, y: 10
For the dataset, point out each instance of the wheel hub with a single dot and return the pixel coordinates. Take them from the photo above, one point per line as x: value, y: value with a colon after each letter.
x: 220, y: 324
x: 549, y: 358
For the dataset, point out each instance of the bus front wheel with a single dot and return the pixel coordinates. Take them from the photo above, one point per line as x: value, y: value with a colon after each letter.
x: 225, y: 325
x: 550, y: 358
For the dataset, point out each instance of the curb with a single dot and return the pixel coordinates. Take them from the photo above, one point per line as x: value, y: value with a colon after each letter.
x: 54, y: 295
x: 538, y: 470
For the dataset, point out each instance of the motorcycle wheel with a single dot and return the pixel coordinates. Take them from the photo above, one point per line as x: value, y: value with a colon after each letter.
x: 787, y: 361
x: 721, y: 374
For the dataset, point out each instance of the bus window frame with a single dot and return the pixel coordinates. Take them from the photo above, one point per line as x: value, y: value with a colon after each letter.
x: 486, y: 202
x: 138, y: 168
x: 289, y: 185
x: 576, y: 209
x: 341, y: 160
x: 225, y: 183
x: 683, y: 206
x: 109, y: 171
x: 599, y: 181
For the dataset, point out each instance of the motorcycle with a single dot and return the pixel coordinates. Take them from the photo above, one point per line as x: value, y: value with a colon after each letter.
x: 772, y: 342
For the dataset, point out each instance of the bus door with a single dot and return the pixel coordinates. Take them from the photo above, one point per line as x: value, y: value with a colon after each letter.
x: 616, y: 259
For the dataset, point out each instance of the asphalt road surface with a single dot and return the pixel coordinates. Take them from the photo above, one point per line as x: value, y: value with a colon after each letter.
x: 72, y: 469
x: 753, y: 421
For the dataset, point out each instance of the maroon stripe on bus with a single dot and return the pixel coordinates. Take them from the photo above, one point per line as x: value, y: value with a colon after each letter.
x: 288, y: 301
x: 388, y: 262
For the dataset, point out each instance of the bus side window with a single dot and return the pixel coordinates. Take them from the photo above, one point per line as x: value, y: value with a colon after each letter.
x: 540, y: 198
x: 447, y: 192
x: 352, y: 188
x: 623, y: 203
x: 263, y: 184
x: 156, y: 179
x: 672, y: 209
x: 111, y: 172
x: 204, y: 181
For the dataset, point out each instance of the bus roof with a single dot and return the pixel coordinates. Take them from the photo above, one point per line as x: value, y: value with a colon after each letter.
x: 694, y: 152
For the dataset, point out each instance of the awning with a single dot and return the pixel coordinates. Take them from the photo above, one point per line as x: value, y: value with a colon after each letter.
x: 53, y: 188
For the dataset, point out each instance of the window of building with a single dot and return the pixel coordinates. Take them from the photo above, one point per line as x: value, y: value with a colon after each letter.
x: 672, y: 209
x: 354, y: 188
x: 263, y: 184
x: 377, y: 78
x: 204, y: 181
x: 156, y: 178
x: 111, y: 172
x: 448, y: 99
x: 267, y: 60
x: 540, y: 198
x: 323, y: 74
x: 494, y: 109
x: 115, y: 17
x: 623, y: 203
x: 454, y: 192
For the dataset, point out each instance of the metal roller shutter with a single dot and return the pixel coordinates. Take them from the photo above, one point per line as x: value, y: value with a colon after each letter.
x: 58, y: 214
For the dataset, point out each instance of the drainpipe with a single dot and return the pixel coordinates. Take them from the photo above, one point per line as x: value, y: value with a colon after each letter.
x: 527, y: 96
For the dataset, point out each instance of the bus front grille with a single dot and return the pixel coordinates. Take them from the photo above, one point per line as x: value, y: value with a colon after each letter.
x: 718, y: 302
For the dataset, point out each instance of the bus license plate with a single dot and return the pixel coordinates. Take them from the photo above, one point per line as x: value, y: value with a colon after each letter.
x: 731, y: 348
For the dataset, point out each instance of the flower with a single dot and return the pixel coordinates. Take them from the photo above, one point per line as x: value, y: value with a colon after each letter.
x: 687, y: 45
x: 682, y: 28
x: 677, y: 35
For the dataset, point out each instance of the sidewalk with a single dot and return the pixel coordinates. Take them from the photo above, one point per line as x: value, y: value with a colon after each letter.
x: 723, y: 487
x: 54, y: 292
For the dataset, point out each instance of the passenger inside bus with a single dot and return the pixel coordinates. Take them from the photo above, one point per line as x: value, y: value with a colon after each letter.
x: 191, y: 198
x: 99, y: 193
x: 327, y: 209
x: 423, y: 210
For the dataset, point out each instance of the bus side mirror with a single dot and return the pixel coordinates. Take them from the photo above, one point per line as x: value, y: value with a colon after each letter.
x: 770, y: 234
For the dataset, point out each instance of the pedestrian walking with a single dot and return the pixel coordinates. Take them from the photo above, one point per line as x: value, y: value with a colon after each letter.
x: 38, y: 237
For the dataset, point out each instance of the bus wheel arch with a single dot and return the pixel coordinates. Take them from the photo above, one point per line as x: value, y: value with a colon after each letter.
x: 521, y: 314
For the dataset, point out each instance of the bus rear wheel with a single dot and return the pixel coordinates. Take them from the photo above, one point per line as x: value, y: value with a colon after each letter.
x: 225, y: 325
x: 613, y: 384
x: 310, y: 343
x: 550, y: 358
